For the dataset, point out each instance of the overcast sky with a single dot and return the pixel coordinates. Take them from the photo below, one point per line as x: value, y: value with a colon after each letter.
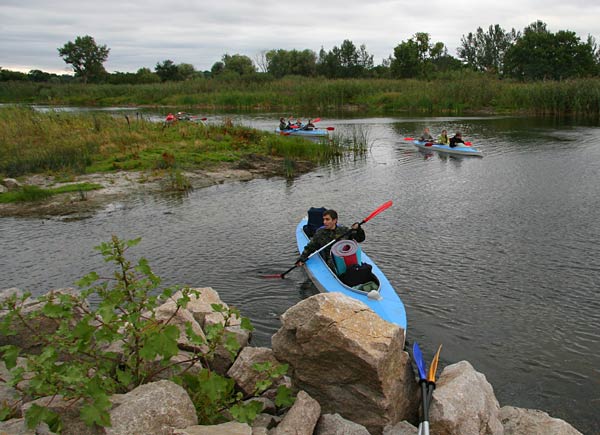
x: 143, y: 33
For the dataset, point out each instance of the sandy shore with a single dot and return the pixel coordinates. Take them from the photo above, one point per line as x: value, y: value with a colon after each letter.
x: 118, y: 185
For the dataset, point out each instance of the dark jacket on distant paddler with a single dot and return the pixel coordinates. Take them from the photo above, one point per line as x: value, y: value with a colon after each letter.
x: 324, y: 236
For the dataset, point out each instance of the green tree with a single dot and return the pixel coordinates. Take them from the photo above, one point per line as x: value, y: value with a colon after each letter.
x: 283, y: 62
x: 345, y: 62
x: 8, y: 75
x: 418, y: 57
x: 145, y: 75
x: 238, y: 64
x: 167, y: 70
x: 86, y: 57
x: 484, y: 51
x: 186, y: 71
x: 540, y: 54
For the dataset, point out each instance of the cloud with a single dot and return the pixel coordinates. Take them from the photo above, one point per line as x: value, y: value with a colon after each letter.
x: 141, y: 34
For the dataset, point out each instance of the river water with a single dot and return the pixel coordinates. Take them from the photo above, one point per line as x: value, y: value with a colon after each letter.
x: 497, y: 258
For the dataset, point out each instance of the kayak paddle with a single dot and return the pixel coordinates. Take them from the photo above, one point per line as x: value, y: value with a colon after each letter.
x: 374, y: 213
x: 316, y: 120
x: 330, y: 128
x: 409, y: 138
x: 431, y: 377
x: 418, y: 358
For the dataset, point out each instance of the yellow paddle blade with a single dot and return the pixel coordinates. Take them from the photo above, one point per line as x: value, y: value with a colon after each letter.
x: 433, y: 366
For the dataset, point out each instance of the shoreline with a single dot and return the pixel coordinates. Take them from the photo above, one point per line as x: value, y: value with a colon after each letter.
x: 119, y: 185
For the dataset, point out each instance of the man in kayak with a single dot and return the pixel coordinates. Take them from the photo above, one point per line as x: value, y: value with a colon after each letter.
x: 426, y: 136
x: 282, y: 124
x: 456, y: 140
x: 328, y: 232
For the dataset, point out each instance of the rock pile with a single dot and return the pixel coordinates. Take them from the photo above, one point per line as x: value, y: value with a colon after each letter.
x: 348, y: 369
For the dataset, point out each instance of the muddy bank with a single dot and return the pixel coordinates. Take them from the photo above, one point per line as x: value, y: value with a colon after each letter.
x: 118, y: 186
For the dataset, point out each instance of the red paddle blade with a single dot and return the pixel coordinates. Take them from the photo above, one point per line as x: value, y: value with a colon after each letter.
x: 428, y: 144
x: 409, y: 138
x: 468, y: 144
x: 330, y: 128
x: 379, y: 209
x: 316, y: 120
x: 278, y: 275
x: 203, y: 119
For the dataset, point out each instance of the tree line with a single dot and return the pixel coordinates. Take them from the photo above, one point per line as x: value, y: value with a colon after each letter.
x: 536, y: 53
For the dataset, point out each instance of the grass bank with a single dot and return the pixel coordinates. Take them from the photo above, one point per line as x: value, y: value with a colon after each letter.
x: 65, y: 143
x: 455, y: 94
x: 35, y: 193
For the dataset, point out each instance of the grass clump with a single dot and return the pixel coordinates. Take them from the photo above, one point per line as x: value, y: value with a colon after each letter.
x: 35, y: 193
x: 58, y: 142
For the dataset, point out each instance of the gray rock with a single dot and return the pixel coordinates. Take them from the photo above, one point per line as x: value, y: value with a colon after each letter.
x: 349, y: 359
x: 156, y: 408
x: 11, y: 184
x: 169, y: 313
x: 402, y: 428
x: 229, y: 428
x: 17, y: 426
x: 302, y: 417
x: 519, y: 421
x: 464, y: 403
x: 335, y: 424
x: 68, y: 411
x: 267, y: 421
x: 242, y: 372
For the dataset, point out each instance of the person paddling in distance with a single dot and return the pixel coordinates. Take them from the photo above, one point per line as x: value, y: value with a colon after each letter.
x: 328, y: 232
x: 282, y: 124
x: 443, y: 138
x: 456, y: 140
x: 426, y: 136
x: 309, y: 125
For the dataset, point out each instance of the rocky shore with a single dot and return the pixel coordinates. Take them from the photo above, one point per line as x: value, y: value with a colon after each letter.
x: 348, y: 370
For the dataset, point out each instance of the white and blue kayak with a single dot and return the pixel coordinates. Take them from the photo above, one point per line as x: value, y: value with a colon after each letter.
x: 316, y: 132
x: 384, y: 301
x: 458, y: 150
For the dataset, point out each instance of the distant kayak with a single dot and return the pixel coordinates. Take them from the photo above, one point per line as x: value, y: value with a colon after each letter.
x: 316, y: 132
x: 459, y: 150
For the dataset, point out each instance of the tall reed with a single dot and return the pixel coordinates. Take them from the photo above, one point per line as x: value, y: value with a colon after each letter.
x: 453, y: 93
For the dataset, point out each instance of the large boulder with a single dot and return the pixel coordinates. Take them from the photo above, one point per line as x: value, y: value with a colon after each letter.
x: 156, y: 408
x: 519, y: 421
x: 349, y: 359
x: 464, y: 403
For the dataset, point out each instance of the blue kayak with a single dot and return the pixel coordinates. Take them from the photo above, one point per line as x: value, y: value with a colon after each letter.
x: 459, y: 150
x: 317, y: 132
x: 385, y: 302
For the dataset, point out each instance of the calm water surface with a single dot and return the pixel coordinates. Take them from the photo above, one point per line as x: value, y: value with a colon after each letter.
x: 498, y: 259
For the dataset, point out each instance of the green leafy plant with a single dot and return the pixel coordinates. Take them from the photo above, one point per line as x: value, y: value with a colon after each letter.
x: 115, y: 346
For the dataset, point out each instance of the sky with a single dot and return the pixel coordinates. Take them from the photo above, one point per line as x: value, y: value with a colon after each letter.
x: 199, y: 32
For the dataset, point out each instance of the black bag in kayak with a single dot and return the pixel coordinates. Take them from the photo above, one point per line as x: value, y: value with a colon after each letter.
x: 315, y: 220
x: 357, y: 274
